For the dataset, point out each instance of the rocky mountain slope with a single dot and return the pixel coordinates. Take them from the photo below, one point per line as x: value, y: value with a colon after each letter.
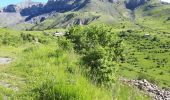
x: 132, y: 4
x: 65, y: 13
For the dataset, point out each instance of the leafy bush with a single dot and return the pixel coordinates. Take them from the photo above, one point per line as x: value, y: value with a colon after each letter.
x: 101, y: 66
x: 101, y: 49
x: 65, y: 44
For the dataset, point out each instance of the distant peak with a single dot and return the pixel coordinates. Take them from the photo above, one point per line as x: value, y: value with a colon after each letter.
x: 22, y: 5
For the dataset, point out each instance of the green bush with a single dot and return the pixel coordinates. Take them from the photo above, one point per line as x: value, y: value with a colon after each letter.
x: 102, y: 68
x: 101, y: 49
x: 65, y: 44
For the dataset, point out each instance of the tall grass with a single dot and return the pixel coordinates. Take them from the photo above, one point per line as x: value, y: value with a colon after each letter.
x: 53, y: 74
x: 49, y: 70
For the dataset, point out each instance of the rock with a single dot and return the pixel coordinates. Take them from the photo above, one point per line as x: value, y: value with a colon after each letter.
x: 5, y: 60
x: 152, y: 90
x: 11, y: 8
x: 132, y: 4
x: 58, y: 34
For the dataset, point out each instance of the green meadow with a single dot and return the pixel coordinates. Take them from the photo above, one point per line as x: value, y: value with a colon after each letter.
x: 49, y: 68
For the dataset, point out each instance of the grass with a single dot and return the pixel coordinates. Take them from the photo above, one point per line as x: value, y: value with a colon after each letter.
x: 46, y: 75
x: 46, y: 71
x: 132, y: 93
x: 147, y: 55
x: 42, y: 69
x: 154, y: 16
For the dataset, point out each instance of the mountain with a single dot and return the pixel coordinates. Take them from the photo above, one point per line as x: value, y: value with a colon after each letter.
x: 12, y: 15
x: 65, y: 13
x: 132, y: 4
x: 21, y: 6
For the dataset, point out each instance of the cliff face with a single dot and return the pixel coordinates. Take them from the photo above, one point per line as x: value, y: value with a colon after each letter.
x: 60, y: 5
x: 86, y: 11
x: 11, y: 8
x: 132, y: 4
x: 23, y: 8
x: 30, y: 8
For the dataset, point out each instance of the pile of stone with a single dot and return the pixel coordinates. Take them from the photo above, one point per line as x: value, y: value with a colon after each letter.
x: 151, y: 89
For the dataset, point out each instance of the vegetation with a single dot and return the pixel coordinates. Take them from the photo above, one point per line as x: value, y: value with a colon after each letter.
x: 147, y: 56
x: 88, y: 61
x: 101, y: 51
x: 48, y: 68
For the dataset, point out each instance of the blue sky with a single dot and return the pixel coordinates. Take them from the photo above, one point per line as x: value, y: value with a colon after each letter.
x: 7, y: 2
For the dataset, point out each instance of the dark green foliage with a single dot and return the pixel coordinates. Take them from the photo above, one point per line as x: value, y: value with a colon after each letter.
x: 102, y: 67
x: 65, y: 44
x: 9, y: 39
x: 26, y: 37
x: 90, y: 36
x: 168, y: 19
x: 101, y: 50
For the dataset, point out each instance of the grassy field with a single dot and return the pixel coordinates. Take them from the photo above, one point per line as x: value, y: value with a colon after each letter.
x: 43, y: 69
x: 147, y: 45
x: 147, y: 55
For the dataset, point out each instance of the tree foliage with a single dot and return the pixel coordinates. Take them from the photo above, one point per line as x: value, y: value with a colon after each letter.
x: 101, y: 49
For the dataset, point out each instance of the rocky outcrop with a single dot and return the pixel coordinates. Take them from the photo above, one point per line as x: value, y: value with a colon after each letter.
x: 151, y: 89
x: 11, y: 8
x: 132, y: 4
x: 32, y: 10
x: 27, y: 8
x: 64, y: 5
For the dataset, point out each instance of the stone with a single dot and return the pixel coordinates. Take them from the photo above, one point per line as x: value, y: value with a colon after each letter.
x: 4, y: 60
x: 152, y: 90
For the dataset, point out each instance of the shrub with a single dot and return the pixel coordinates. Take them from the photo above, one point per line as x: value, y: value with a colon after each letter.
x: 65, y: 44
x: 101, y: 49
x: 102, y: 68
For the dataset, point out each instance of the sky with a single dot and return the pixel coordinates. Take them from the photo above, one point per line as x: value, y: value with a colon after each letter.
x: 4, y: 3
x: 7, y: 2
x: 166, y: 0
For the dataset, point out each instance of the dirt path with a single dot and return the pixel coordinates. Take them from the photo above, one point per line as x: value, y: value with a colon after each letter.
x: 5, y: 60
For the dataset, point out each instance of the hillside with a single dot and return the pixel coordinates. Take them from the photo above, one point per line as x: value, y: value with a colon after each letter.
x: 155, y: 15
x: 85, y: 50
x: 46, y: 67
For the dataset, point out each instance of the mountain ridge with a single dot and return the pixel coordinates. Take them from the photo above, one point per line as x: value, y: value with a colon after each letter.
x: 56, y: 12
